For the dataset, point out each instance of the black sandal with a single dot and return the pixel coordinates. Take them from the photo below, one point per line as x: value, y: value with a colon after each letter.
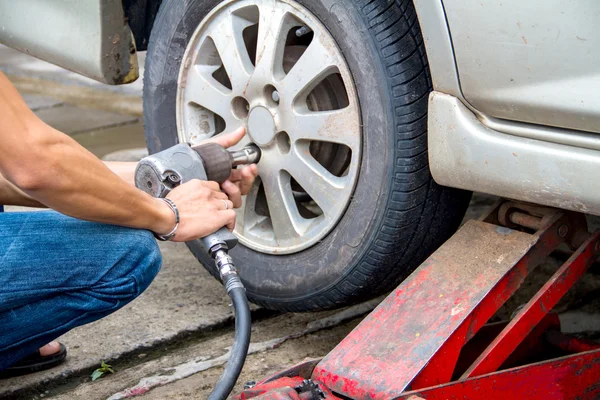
x: 34, y: 363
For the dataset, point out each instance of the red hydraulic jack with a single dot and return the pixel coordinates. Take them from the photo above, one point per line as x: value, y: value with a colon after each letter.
x: 429, y: 339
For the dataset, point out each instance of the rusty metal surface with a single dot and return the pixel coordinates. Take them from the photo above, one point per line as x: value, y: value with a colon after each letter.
x: 428, y: 311
x: 569, y: 344
x: 284, y: 393
x: 288, y: 388
x: 535, y: 310
x: 531, y: 349
x: 571, y: 377
x: 303, y: 370
x: 430, y: 330
x: 271, y: 386
x: 526, y: 220
x: 515, y: 215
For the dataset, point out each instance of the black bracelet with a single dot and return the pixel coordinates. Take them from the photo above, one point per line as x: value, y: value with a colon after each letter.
x: 169, y: 235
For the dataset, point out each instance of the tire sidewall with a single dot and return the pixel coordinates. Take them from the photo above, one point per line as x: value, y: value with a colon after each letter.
x: 295, y: 277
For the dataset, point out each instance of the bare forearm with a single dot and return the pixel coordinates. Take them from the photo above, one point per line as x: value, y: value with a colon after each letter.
x: 10, y: 195
x: 53, y: 169
x: 73, y: 181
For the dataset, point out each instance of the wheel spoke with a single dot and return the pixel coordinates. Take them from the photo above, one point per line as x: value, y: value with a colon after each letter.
x: 270, y: 42
x: 325, y: 188
x: 285, y: 218
x: 316, y: 63
x: 247, y: 217
x: 201, y: 88
x: 336, y: 126
x: 229, y: 42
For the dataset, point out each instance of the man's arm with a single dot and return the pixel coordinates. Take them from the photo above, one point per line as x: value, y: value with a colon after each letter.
x: 55, y: 170
x: 242, y: 178
x: 10, y: 195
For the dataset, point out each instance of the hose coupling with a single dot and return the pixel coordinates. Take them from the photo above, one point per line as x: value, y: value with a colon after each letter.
x: 227, y: 270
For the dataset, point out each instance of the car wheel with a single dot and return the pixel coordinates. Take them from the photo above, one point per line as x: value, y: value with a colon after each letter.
x: 336, y: 97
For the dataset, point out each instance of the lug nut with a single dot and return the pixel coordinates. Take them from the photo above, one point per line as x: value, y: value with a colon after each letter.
x: 275, y: 96
x: 303, y: 31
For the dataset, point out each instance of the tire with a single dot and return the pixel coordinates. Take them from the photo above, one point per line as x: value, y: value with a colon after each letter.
x: 398, y: 215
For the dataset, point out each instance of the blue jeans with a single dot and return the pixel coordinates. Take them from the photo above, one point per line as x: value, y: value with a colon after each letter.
x: 58, y: 272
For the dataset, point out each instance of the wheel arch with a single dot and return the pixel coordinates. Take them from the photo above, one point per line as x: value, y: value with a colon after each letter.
x: 140, y: 15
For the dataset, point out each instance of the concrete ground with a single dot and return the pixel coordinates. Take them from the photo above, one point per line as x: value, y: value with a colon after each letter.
x: 172, y: 342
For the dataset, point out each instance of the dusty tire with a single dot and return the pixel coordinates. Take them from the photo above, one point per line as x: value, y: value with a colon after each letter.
x: 398, y: 215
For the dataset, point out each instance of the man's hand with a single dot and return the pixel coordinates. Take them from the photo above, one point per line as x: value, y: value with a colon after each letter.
x: 241, y: 180
x: 239, y: 183
x: 203, y: 209
x: 201, y: 204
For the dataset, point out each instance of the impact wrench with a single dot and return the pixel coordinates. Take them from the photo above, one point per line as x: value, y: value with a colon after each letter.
x: 160, y: 173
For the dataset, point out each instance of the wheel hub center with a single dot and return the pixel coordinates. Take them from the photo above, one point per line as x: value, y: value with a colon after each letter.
x: 261, y: 126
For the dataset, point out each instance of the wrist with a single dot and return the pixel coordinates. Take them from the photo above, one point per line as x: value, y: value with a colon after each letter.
x: 166, y: 220
x: 175, y: 210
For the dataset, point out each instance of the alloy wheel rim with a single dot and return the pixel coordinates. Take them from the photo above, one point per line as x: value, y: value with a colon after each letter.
x: 272, y: 66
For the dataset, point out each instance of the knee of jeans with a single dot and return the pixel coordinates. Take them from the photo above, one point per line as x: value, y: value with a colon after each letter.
x: 138, y: 260
x: 150, y: 261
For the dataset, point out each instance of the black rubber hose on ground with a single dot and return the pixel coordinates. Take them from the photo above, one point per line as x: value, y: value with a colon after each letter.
x: 237, y: 357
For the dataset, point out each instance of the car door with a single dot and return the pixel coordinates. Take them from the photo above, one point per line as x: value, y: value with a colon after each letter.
x: 529, y: 61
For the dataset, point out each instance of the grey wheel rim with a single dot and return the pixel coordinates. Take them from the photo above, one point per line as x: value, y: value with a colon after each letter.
x: 272, y: 66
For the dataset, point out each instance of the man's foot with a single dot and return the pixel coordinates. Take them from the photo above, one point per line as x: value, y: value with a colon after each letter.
x: 49, y: 349
x: 48, y: 356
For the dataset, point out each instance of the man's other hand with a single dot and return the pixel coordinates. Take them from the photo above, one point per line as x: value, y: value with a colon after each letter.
x: 205, y: 207
x: 241, y: 180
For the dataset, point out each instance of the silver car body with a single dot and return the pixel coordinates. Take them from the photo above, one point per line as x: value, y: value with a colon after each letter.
x: 515, y: 110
